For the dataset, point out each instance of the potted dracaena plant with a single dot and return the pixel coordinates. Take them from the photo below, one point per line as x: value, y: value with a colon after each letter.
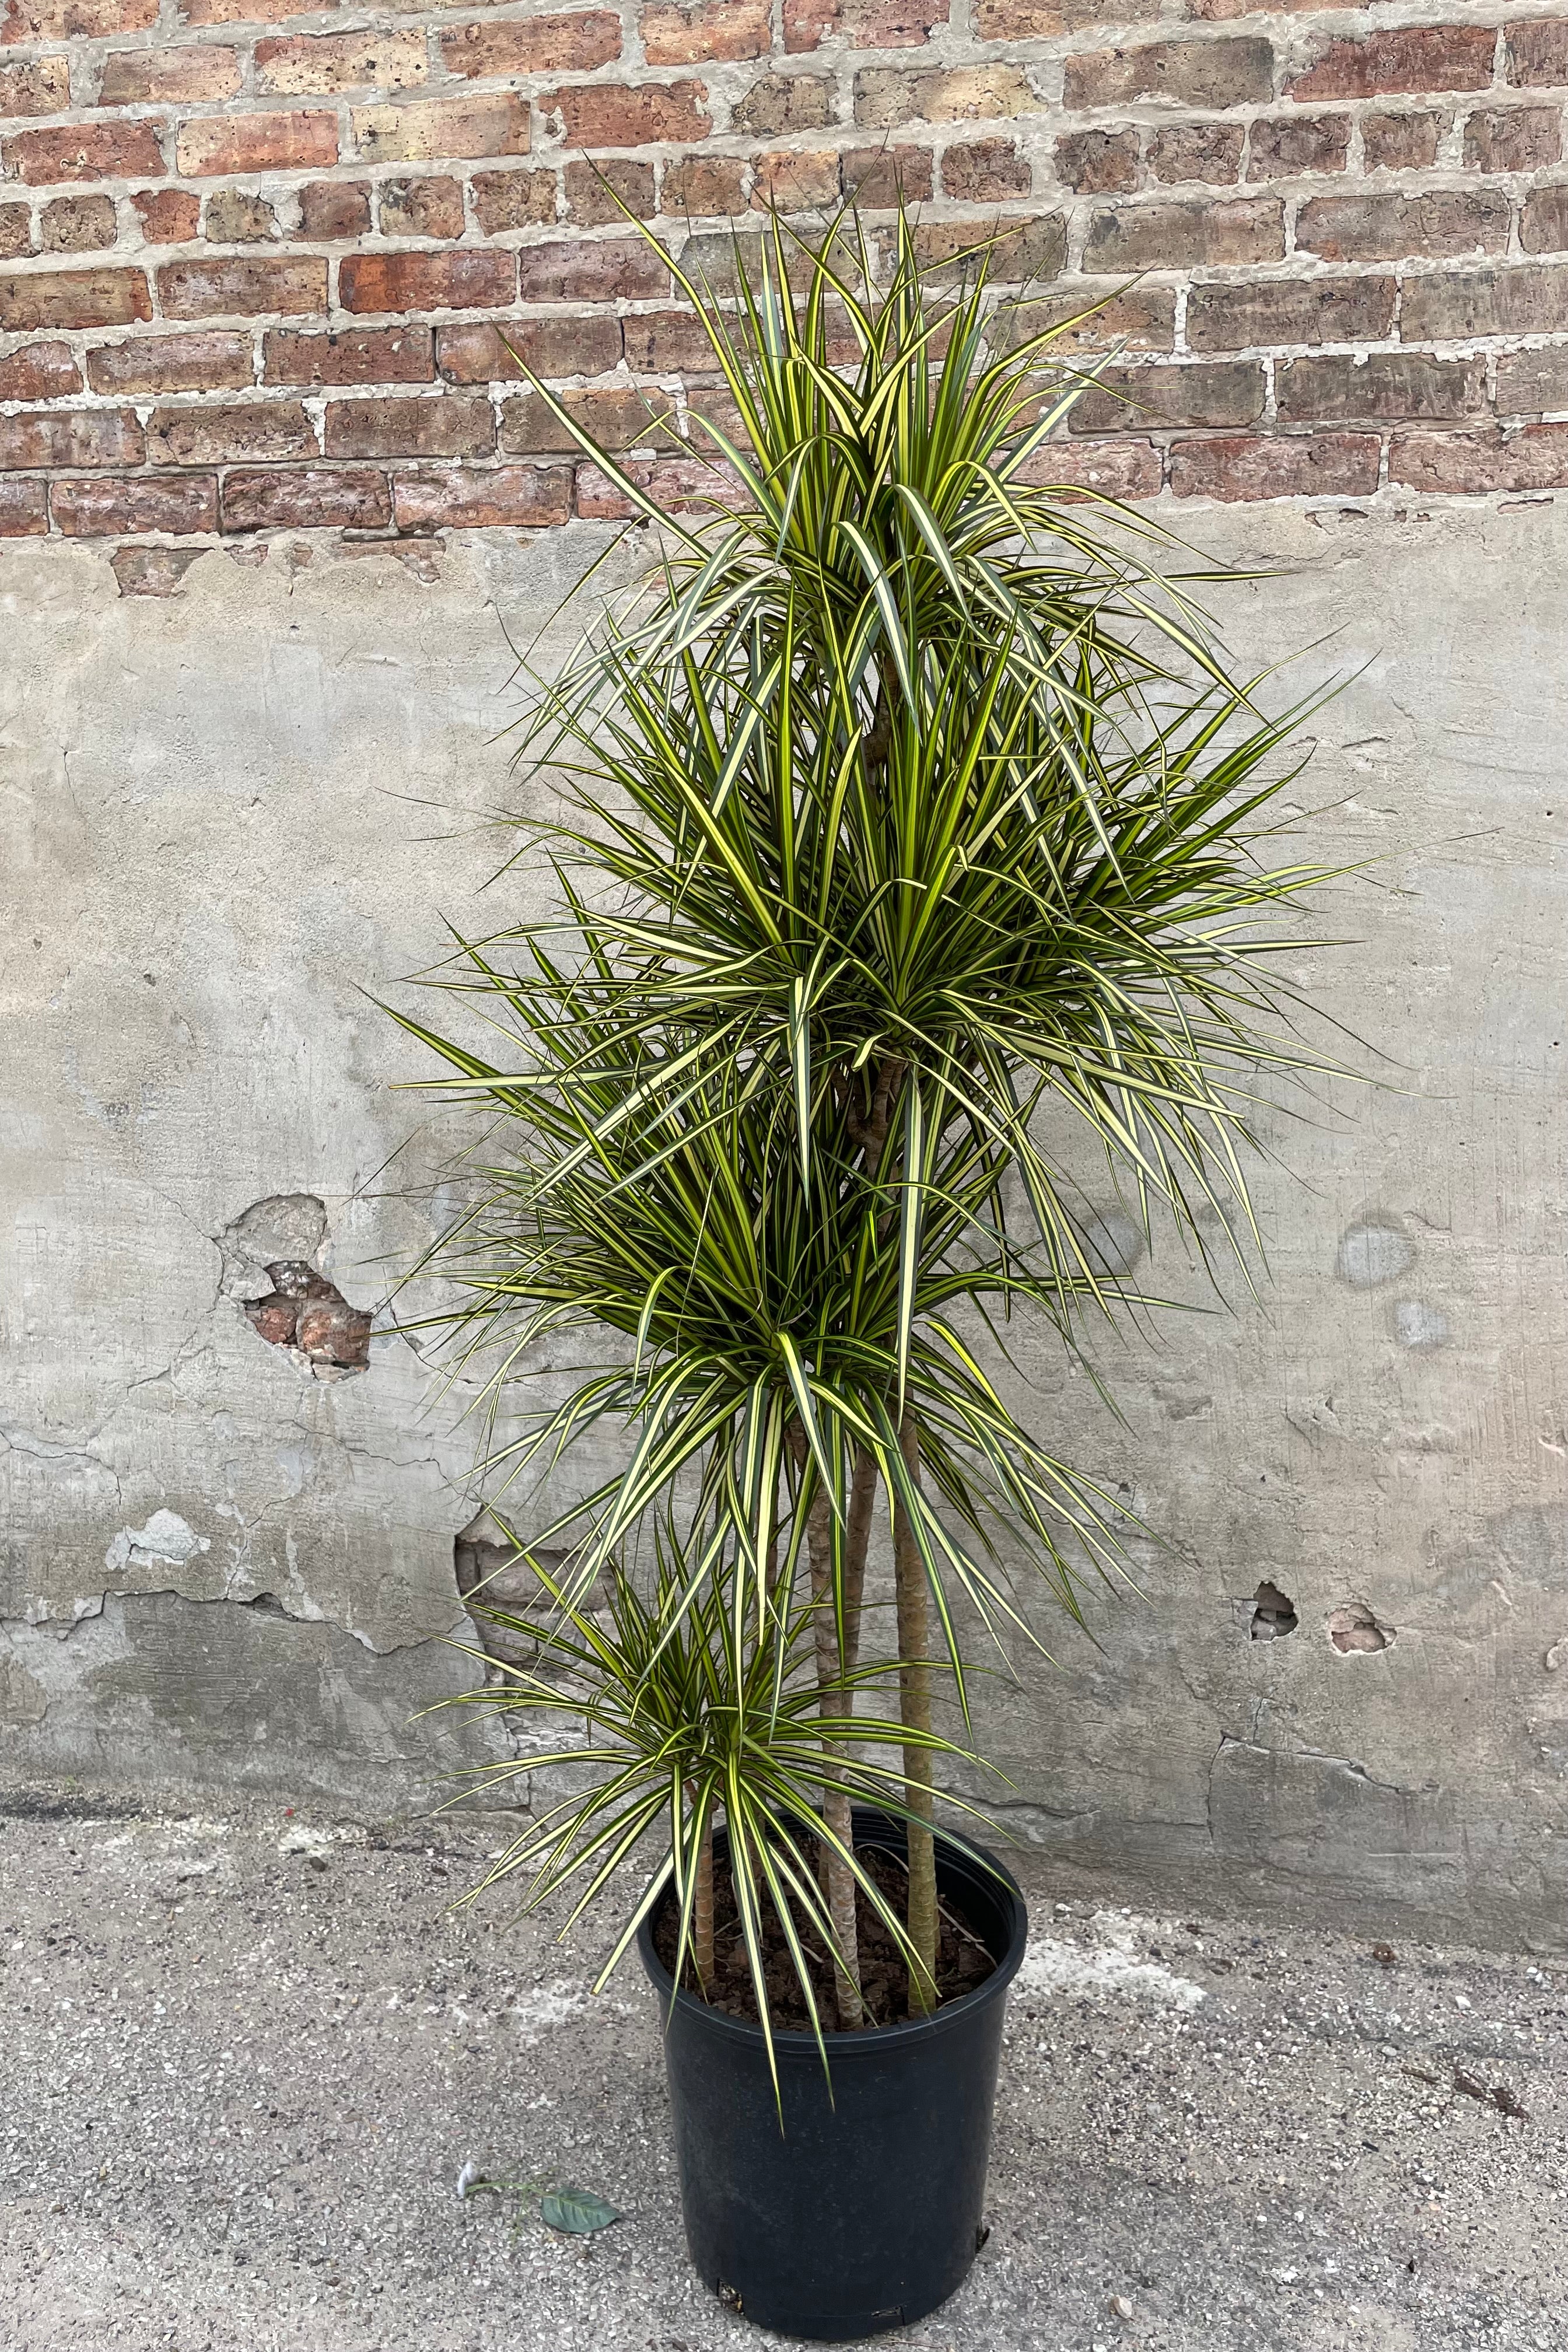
x: 906, y: 837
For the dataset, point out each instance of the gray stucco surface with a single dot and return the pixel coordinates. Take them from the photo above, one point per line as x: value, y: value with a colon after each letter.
x: 227, y: 814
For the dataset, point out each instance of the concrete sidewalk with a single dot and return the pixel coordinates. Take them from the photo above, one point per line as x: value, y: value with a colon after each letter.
x: 245, y: 2059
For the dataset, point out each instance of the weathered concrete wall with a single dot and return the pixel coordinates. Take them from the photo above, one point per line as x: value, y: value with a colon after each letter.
x: 227, y: 813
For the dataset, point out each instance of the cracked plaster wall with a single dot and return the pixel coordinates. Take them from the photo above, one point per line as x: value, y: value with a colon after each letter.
x: 224, y: 813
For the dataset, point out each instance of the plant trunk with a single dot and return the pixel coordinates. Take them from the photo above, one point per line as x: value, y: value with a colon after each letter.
x: 839, y: 1879
x: 914, y: 1708
x: 702, y: 1911
x: 835, y: 1809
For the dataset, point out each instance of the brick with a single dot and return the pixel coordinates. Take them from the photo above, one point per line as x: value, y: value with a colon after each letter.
x: 985, y: 172
x: 1464, y: 305
x: 1436, y: 222
x: 453, y: 281
x: 866, y: 24
x: 1415, y: 57
x: 68, y: 20
x: 715, y: 262
x: 615, y: 420
x: 238, y: 12
x: 85, y: 151
x: 512, y: 496
x: 41, y: 87
x: 222, y: 287
x: 598, y: 270
x: 476, y: 353
x: 1215, y: 74
x: 1042, y: 20
x: 679, y: 485
x: 15, y: 231
x: 210, y: 362
x: 885, y: 97
x: 704, y: 31
x: 320, y: 64
x: 707, y: 405
x: 1301, y: 142
x: 152, y: 571
x: 24, y: 509
x: 50, y: 437
x: 534, y: 46
x: 574, y: 44
x: 881, y: 177
x: 1274, y: 311
x: 667, y: 342
x: 333, y: 212
x: 261, y: 431
x: 446, y: 427
x: 784, y: 102
x: 504, y: 200
x: 595, y: 193
x: 307, y: 497
x: 705, y: 186
x: 1382, y: 386
x: 434, y: 129
x: 234, y: 217
x: 73, y: 298
x: 1171, y: 236
x: 1535, y: 56
x: 169, y: 76
x: 1513, y: 137
x: 1544, y: 223
x: 1021, y: 249
x: 1530, y: 383
x: 78, y: 225
x: 1090, y: 318
x: 1270, y: 465
x: 217, y: 144
x: 1111, y: 469
x: 431, y: 207
x: 107, y: 510
x: 168, y: 215
x: 1400, y: 142
x: 363, y: 355
x: 39, y: 371
x: 608, y: 115
x: 1210, y: 151
x: 1215, y: 12
x: 794, y: 178
x: 1129, y: 400
x: 1533, y: 459
x: 1097, y: 163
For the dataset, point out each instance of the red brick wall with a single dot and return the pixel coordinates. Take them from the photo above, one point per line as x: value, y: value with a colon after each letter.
x: 252, y: 268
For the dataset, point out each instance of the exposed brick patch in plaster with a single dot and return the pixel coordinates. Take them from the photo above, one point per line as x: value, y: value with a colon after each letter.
x: 269, y: 1270
x: 493, y: 1572
x: 309, y: 1315
x: 1355, y: 1631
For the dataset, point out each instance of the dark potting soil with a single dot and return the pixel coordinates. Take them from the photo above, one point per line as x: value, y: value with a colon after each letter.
x: 962, y: 1961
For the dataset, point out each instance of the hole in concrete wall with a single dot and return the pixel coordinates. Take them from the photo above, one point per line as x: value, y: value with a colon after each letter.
x: 492, y: 1573
x: 1354, y: 1630
x: 1273, y: 1614
x: 305, y: 1312
x: 268, y: 1269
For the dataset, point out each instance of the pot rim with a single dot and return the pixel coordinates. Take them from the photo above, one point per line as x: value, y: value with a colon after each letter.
x: 797, y: 2044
